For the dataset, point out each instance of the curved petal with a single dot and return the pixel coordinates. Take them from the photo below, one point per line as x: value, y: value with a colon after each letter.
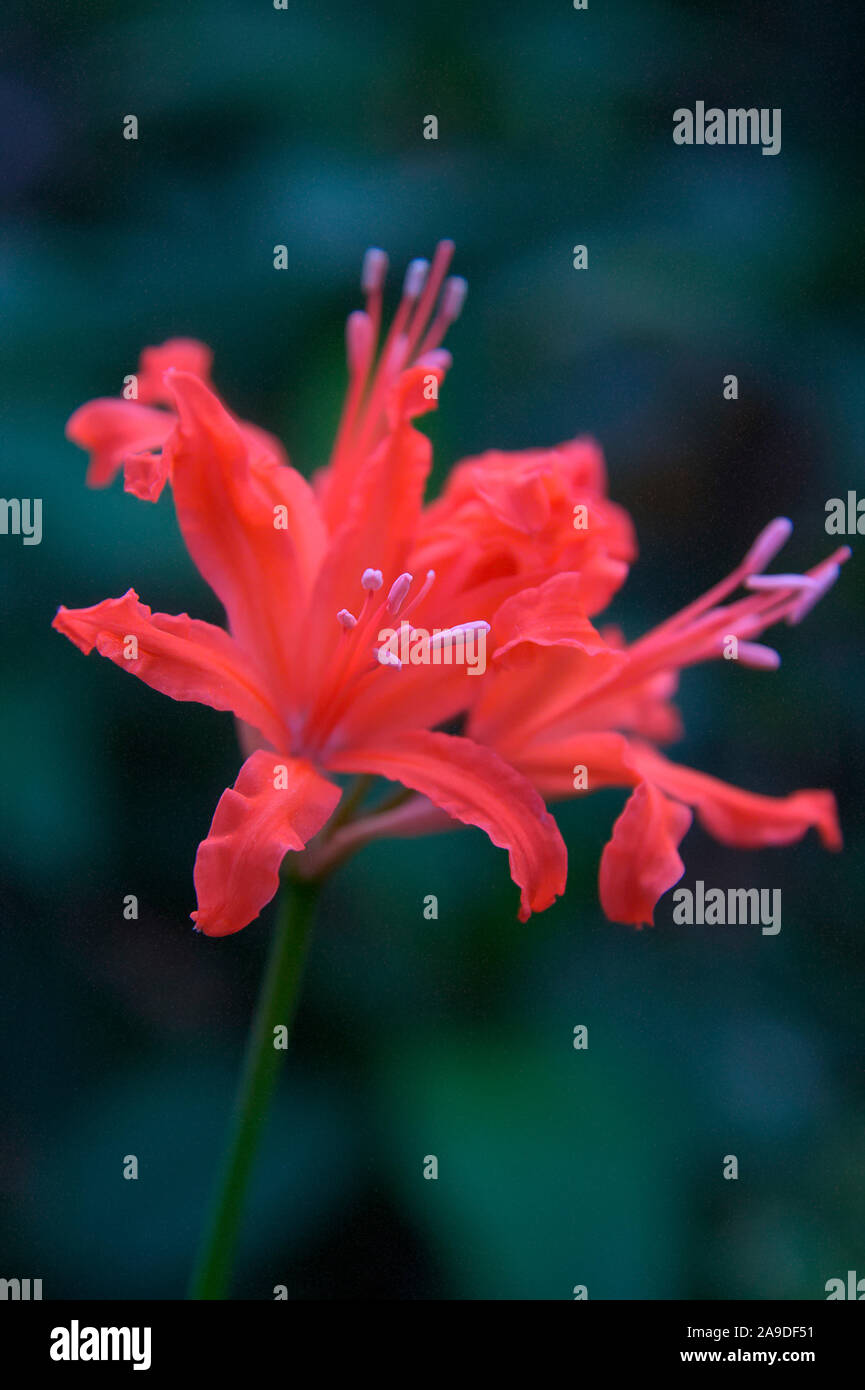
x: 474, y: 785
x: 113, y: 431
x: 538, y: 689
x: 550, y: 615
x: 521, y: 486
x: 537, y: 512
x: 744, y: 820
x: 177, y: 655
x: 551, y: 765
x: 251, y: 525
x: 145, y: 475
x: 181, y: 354
x: 642, y: 861
x: 130, y: 433
x: 276, y: 805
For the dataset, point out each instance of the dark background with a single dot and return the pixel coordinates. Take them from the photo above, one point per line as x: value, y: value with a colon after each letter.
x: 454, y: 1037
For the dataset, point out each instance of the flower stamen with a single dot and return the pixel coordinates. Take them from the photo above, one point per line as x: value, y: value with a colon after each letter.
x: 411, y: 339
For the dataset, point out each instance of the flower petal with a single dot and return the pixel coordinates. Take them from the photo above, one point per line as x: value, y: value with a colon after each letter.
x: 549, y: 615
x: 474, y: 785
x: 742, y: 819
x: 641, y: 861
x: 181, y: 354
x: 276, y: 805
x: 551, y: 765
x: 113, y: 431
x: 179, y: 656
x: 532, y: 513
x: 538, y: 690
x: 251, y: 525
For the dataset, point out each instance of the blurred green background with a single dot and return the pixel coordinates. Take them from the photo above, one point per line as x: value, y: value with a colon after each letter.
x: 453, y: 1038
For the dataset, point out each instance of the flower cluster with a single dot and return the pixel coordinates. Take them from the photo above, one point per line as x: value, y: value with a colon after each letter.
x: 526, y: 546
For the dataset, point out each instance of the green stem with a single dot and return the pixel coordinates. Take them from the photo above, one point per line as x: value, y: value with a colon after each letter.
x: 276, y: 1005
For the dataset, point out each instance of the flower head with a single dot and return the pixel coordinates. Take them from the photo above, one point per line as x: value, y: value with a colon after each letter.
x: 524, y: 546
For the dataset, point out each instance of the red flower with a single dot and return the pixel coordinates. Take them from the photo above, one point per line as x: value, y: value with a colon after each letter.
x: 309, y: 575
x: 307, y: 581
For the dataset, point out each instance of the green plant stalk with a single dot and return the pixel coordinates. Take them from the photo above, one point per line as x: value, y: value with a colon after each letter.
x: 277, y: 1003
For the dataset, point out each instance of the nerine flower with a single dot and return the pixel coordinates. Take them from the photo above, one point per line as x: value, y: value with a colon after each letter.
x: 525, y: 546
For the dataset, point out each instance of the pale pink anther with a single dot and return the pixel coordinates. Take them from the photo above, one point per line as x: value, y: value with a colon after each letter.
x: 415, y: 278
x: 371, y: 579
x: 398, y: 590
x: 763, y: 550
x: 386, y: 657
x: 758, y: 656
x: 439, y: 359
x: 346, y: 619
x: 780, y: 581
x: 443, y: 638
x: 372, y: 276
x: 770, y: 540
x: 456, y: 288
